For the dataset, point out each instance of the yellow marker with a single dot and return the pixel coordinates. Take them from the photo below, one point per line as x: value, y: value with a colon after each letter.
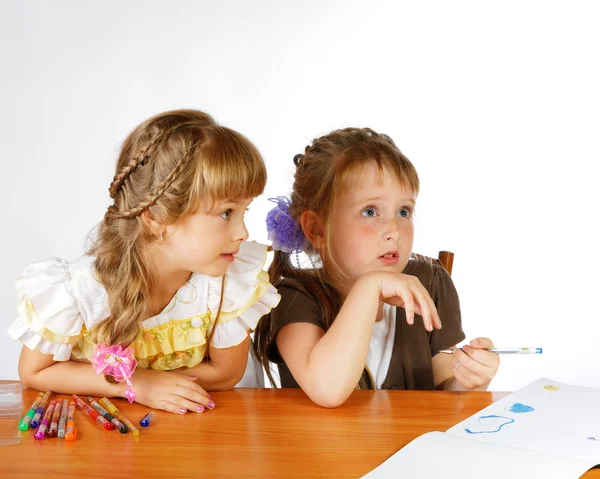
x: 115, y: 412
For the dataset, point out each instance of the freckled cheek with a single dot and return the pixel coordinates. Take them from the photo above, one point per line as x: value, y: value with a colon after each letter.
x: 407, y: 231
x: 358, y: 235
x: 366, y: 231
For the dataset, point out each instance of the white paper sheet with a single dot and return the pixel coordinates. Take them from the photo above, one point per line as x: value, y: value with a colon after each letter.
x: 440, y: 455
x: 547, y: 429
x: 565, y: 420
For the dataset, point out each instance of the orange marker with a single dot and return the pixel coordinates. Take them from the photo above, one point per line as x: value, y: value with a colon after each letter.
x: 71, y: 432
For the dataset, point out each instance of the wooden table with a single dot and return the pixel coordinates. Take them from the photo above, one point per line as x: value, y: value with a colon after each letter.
x: 250, y: 433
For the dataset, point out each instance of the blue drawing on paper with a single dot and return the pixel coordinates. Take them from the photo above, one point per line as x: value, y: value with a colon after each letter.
x: 520, y: 408
x: 490, y: 424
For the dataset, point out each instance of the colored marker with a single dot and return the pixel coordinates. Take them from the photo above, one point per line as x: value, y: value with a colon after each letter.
x: 55, y: 418
x: 113, y: 409
x: 39, y: 412
x: 24, y: 423
x: 93, y: 414
x: 71, y: 431
x: 504, y: 350
x: 41, y: 431
x: 148, y: 419
x: 62, y: 424
x: 108, y: 416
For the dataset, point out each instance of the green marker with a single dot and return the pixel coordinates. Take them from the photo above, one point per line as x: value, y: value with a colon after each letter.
x: 24, y: 422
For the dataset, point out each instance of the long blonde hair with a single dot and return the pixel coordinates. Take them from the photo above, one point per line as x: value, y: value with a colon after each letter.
x: 322, y: 172
x: 166, y: 165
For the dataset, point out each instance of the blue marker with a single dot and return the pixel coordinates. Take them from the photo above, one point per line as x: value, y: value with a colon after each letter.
x: 148, y: 419
x: 39, y: 412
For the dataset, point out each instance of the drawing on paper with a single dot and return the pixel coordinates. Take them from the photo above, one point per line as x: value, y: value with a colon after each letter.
x: 520, y: 408
x: 550, y: 387
x: 490, y: 424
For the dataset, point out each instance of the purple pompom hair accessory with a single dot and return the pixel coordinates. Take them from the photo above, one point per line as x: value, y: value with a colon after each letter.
x: 285, y: 234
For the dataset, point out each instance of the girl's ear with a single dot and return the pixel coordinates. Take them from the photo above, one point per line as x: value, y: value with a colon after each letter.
x: 157, y: 228
x: 312, y: 226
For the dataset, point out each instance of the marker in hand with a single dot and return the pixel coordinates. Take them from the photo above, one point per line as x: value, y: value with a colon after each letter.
x: 503, y: 350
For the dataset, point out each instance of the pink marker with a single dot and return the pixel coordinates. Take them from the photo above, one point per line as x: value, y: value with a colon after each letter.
x: 41, y: 430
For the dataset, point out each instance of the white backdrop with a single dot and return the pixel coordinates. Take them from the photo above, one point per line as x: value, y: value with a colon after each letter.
x: 497, y: 105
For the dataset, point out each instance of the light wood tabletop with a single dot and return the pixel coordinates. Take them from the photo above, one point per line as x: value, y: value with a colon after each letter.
x: 250, y: 433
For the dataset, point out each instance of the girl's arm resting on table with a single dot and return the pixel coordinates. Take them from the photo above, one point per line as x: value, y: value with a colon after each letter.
x: 224, y: 369
x: 175, y: 393
x: 39, y: 371
x: 328, y: 365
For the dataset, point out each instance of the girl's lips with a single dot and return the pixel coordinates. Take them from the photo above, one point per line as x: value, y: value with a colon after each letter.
x: 228, y: 257
x: 388, y: 260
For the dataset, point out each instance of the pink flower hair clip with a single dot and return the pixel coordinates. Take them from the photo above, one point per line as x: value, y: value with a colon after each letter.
x: 116, y: 362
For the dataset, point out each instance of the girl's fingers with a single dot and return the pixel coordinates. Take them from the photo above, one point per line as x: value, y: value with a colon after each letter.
x: 482, y: 356
x: 477, y: 373
x: 472, y: 378
x: 193, y: 396
x: 190, y: 406
x: 429, y: 310
x: 465, y: 360
x: 426, y: 308
x: 462, y: 379
x: 409, y: 305
x: 423, y: 309
x: 191, y: 384
x: 172, y: 407
x: 482, y: 343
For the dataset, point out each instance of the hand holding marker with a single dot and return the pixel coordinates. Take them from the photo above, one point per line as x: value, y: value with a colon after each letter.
x: 503, y: 350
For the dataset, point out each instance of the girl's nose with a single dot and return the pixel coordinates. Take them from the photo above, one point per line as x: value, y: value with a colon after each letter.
x: 241, y: 233
x: 391, y: 231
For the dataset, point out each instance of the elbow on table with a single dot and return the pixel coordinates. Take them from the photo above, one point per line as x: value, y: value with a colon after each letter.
x: 328, y: 397
x: 227, y: 383
x: 27, y: 378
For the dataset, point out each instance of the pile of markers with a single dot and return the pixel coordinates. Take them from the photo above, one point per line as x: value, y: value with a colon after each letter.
x: 57, y: 420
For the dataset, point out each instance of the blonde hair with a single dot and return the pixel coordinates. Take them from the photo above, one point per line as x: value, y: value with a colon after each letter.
x: 323, y: 171
x: 167, y: 165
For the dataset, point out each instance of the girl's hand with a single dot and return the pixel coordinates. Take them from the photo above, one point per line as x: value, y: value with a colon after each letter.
x: 406, y: 291
x: 474, y: 366
x: 169, y: 391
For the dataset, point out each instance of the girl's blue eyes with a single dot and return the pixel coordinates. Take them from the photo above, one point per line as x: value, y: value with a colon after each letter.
x: 370, y: 212
x: 227, y: 213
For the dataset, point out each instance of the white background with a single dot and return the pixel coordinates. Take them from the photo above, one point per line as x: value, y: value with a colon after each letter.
x: 496, y: 103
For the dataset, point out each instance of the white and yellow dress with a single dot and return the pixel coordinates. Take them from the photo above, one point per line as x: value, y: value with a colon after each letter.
x: 60, y: 302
